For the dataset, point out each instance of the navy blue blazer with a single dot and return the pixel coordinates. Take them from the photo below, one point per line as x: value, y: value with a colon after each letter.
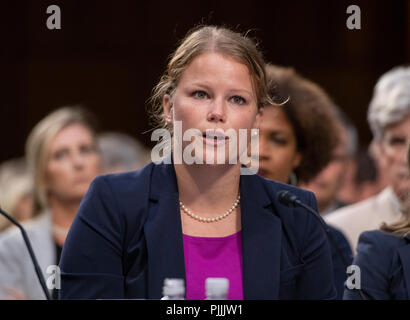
x: 384, y: 261
x: 127, y: 238
x: 339, y: 268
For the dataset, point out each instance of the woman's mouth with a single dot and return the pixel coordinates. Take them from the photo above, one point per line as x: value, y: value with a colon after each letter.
x: 214, y: 138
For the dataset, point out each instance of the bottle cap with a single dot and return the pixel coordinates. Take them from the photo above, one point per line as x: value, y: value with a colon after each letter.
x: 173, y: 287
x: 216, y: 287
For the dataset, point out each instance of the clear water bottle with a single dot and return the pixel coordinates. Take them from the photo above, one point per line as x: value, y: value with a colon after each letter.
x: 217, y: 288
x: 173, y: 289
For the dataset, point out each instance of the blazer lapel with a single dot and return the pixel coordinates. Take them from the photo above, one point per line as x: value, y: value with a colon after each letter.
x: 404, y: 253
x: 261, y: 236
x: 163, y: 231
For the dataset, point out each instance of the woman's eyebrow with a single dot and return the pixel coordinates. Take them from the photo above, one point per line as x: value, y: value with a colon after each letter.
x: 200, y: 84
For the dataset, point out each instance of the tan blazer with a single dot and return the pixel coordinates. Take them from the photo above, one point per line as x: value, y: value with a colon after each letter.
x: 366, y: 215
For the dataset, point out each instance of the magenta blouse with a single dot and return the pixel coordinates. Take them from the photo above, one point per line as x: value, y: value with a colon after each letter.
x: 213, y: 257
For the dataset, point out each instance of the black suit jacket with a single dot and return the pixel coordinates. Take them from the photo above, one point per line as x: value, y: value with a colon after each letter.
x: 127, y: 238
x: 384, y: 262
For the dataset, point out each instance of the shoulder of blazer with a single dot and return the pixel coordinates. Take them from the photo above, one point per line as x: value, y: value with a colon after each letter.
x: 273, y: 187
x: 129, y: 183
x: 379, y: 247
x: 384, y: 240
x: 294, y: 219
x: 128, y: 193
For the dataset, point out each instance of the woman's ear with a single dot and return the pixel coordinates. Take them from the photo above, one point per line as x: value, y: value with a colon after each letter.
x: 258, y: 118
x: 167, y: 105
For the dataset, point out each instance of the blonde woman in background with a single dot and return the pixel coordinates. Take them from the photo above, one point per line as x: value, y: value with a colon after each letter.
x: 63, y: 156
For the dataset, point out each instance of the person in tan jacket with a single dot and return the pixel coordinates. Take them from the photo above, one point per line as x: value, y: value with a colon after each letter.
x: 389, y: 119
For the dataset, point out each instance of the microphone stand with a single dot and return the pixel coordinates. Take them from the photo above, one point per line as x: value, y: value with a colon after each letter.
x: 31, y: 252
x: 290, y: 198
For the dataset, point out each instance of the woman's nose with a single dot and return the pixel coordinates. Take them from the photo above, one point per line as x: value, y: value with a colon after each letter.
x: 78, y: 160
x: 217, y: 112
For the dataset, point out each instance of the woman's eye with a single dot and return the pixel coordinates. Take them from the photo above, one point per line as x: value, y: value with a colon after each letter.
x: 86, y: 149
x: 238, y: 100
x: 278, y: 140
x: 200, y: 94
x: 60, y: 154
x: 397, y: 141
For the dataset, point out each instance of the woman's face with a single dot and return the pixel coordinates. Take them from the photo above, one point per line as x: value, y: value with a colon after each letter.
x: 278, y: 154
x: 394, y: 156
x: 72, y: 163
x: 214, y: 93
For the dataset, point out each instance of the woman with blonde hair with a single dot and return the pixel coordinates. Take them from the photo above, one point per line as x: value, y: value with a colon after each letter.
x: 62, y: 154
x: 200, y: 219
x: 383, y: 257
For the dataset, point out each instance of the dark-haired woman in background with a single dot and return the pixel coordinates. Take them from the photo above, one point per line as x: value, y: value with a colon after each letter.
x: 297, y: 140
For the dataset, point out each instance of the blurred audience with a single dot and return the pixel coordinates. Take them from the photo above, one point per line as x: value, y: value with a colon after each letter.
x: 328, y: 183
x: 389, y: 119
x: 121, y: 152
x: 369, y: 178
x: 16, y: 196
x: 383, y: 257
x: 62, y: 154
x: 364, y: 176
x: 297, y: 139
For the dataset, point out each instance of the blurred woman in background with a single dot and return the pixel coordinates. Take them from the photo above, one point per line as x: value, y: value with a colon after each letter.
x: 297, y: 140
x: 383, y: 257
x: 62, y: 154
x: 120, y: 153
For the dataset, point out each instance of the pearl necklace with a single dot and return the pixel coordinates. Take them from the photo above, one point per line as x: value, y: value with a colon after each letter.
x: 214, y: 219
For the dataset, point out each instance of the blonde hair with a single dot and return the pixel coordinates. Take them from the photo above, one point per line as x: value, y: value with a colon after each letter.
x: 204, y: 39
x: 401, y: 228
x: 38, y: 140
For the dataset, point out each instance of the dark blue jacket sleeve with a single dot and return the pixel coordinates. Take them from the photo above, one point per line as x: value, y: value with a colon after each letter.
x: 317, y: 281
x: 339, y: 268
x: 374, y: 260
x: 88, y: 273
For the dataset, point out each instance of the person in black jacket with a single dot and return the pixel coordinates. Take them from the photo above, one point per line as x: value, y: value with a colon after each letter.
x: 174, y: 216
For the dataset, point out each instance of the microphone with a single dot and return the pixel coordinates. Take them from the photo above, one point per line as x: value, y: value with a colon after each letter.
x: 289, y: 199
x: 31, y: 252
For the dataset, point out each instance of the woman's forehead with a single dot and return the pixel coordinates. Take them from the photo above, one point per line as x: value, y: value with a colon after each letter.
x: 217, y: 69
x: 71, y: 134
